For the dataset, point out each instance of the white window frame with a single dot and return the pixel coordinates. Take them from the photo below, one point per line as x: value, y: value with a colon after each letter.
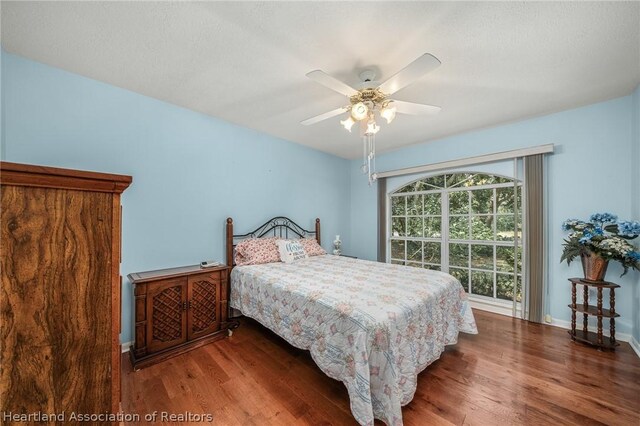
x: 493, y: 304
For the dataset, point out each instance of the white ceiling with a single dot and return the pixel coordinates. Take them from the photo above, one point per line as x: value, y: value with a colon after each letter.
x: 246, y: 61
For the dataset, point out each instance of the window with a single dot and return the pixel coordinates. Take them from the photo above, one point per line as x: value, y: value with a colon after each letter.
x: 466, y: 224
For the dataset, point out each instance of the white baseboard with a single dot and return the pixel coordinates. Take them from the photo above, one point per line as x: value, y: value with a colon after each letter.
x: 125, y: 346
x: 622, y: 337
x: 497, y: 309
x: 635, y: 346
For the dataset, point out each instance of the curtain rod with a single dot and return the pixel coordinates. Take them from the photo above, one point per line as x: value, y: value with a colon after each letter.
x: 480, y: 159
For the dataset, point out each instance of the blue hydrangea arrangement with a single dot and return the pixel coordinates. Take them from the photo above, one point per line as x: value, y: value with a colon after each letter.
x: 605, y: 236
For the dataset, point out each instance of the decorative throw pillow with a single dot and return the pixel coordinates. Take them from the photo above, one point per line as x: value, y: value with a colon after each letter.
x: 312, y: 247
x: 291, y: 250
x: 256, y: 251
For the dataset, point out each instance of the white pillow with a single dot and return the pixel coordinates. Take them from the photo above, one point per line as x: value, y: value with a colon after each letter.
x: 291, y: 251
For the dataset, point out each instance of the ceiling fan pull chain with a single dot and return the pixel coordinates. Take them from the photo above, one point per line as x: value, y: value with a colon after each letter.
x: 372, y: 172
x: 363, y: 168
x: 369, y: 158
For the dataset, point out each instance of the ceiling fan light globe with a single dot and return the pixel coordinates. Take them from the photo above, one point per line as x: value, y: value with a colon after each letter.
x: 388, y: 113
x: 359, y: 111
x: 372, y: 128
x: 348, y: 123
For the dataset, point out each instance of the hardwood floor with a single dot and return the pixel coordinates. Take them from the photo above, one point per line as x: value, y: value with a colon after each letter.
x: 512, y: 372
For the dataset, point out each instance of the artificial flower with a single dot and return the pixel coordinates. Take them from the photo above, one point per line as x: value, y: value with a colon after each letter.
x: 603, y: 237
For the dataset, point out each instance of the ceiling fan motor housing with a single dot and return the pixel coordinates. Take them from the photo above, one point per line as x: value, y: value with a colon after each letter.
x: 367, y: 76
x: 369, y: 97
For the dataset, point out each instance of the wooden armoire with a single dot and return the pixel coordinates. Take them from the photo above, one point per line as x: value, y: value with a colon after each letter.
x: 60, y: 296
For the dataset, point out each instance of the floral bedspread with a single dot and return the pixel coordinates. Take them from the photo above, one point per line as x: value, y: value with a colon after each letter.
x: 373, y: 326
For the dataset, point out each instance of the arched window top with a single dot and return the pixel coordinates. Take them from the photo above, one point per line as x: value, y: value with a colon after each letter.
x: 453, y: 180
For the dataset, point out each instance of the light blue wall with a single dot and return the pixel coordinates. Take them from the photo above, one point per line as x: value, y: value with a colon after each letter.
x: 591, y: 171
x: 190, y: 171
x: 635, y: 196
x: 2, y: 138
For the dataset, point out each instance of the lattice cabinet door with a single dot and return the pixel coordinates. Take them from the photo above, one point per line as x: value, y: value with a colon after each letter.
x: 203, y: 316
x: 167, y: 306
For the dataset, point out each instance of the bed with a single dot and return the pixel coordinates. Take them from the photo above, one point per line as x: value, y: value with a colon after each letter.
x: 374, y: 326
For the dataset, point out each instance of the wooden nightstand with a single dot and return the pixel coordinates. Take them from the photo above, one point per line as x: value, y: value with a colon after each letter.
x: 178, y: 309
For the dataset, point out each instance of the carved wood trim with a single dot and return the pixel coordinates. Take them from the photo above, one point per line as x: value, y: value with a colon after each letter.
x: 54, y: 177
x: 166, y: 314
x: 204, y: 305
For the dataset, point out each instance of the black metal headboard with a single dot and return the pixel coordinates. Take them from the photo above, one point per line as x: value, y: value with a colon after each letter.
x: 278, y: 226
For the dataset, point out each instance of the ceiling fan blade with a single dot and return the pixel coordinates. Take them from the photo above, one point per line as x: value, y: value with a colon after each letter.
x: 410, y: 73
x: 318, y: 118
x: 415, y: 109
x: 332, y: 83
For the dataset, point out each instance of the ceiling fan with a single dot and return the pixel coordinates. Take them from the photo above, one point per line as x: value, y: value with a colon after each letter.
x: 372, y: 97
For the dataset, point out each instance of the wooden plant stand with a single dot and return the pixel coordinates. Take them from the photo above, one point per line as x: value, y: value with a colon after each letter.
x: 584, y: 335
